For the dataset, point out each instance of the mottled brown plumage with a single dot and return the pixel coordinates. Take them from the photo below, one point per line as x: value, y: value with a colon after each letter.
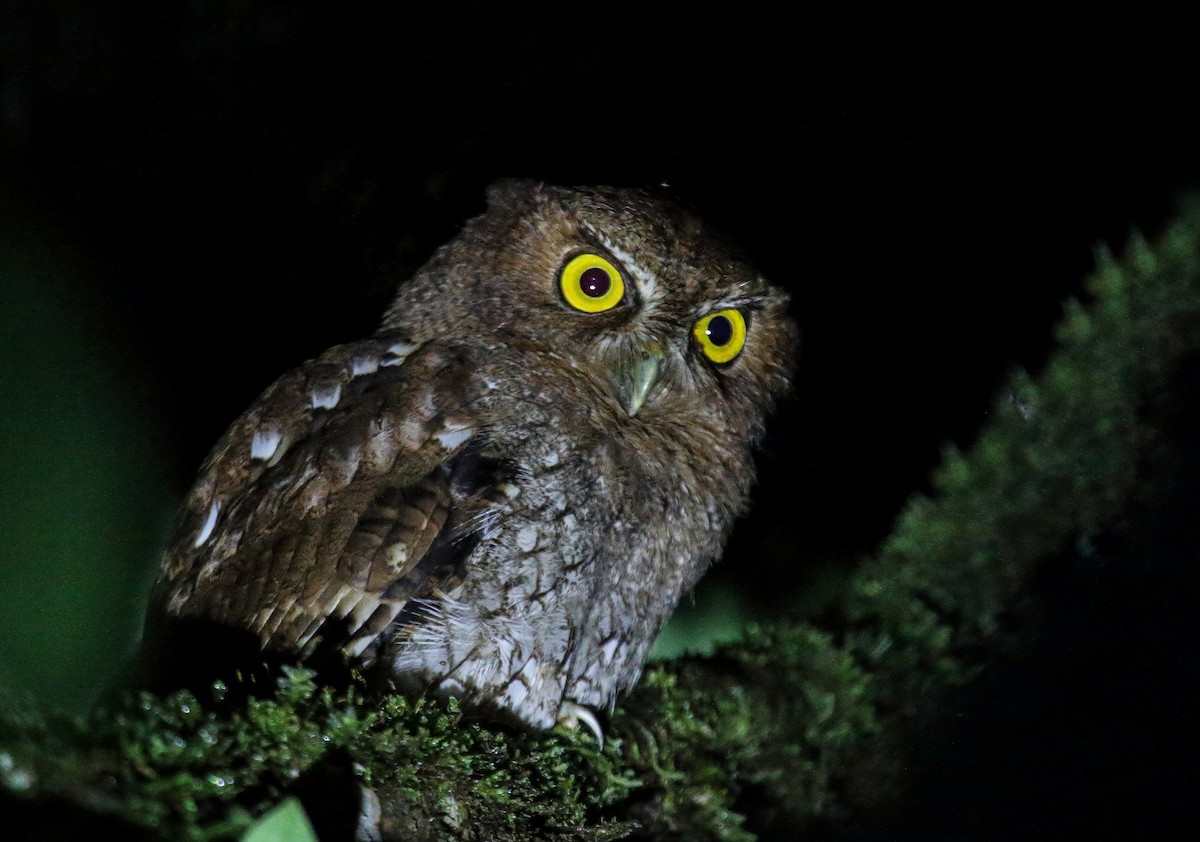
x: 499, y: 496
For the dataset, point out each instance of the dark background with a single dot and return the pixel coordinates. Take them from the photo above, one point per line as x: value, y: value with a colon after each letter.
x: 196, y: 196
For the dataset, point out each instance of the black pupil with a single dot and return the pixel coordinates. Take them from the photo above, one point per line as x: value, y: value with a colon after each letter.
x: 720, y: 330
x: 595, y: 282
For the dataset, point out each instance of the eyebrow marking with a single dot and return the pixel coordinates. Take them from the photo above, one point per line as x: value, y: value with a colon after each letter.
x: 646, y: 280
x: 748, y: 302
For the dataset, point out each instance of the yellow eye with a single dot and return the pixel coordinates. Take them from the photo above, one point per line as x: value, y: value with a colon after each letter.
x: 591, y: 284
x: 721, y: 335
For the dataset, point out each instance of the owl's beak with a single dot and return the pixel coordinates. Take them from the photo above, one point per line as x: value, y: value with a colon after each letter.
x: 639, y: 377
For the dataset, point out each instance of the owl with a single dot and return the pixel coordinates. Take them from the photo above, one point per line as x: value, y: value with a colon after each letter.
x: 500, y: 495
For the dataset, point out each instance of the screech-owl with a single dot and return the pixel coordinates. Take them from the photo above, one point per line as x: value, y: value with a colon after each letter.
x: 502, y: 494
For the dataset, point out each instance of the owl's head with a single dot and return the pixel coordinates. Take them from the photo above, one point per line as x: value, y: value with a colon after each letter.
x: 622, y: 286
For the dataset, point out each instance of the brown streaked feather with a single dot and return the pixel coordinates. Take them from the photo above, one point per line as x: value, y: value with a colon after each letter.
x: 328, y: 506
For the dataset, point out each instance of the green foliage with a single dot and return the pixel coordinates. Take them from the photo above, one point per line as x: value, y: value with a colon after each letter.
x: 792, y: 713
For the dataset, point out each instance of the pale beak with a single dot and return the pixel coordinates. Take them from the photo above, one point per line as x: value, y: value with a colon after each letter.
x: 639, y: 377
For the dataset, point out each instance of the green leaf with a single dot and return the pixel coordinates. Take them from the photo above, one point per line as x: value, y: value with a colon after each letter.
x: 286, y: 823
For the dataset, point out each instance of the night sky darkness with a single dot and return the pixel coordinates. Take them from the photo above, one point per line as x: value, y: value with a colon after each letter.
x: 246, y: 184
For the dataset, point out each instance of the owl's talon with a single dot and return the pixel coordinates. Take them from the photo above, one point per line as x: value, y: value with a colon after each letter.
x: 570, y: 714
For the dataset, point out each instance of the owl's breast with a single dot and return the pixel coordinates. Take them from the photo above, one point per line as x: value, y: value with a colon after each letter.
x: 604, y: 522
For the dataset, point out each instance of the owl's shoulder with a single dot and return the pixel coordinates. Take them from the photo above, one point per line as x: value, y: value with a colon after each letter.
x: 384, y: 412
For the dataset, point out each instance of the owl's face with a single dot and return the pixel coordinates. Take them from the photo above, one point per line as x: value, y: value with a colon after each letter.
x: 624, y: 288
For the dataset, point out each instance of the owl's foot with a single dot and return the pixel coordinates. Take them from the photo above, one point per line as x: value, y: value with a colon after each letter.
x: 570, y: 714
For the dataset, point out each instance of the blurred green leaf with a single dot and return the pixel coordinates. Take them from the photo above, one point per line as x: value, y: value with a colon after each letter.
x: 286, y: 823
x: 81, y: 493
x: 710, y: 617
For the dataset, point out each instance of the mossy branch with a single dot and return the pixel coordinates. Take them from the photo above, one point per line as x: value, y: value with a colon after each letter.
x: 791, y: 712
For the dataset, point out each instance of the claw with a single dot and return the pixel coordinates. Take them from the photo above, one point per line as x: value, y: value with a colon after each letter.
x: 570, y: 714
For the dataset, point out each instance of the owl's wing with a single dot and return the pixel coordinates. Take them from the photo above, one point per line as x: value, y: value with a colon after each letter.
x: 355, y: 484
